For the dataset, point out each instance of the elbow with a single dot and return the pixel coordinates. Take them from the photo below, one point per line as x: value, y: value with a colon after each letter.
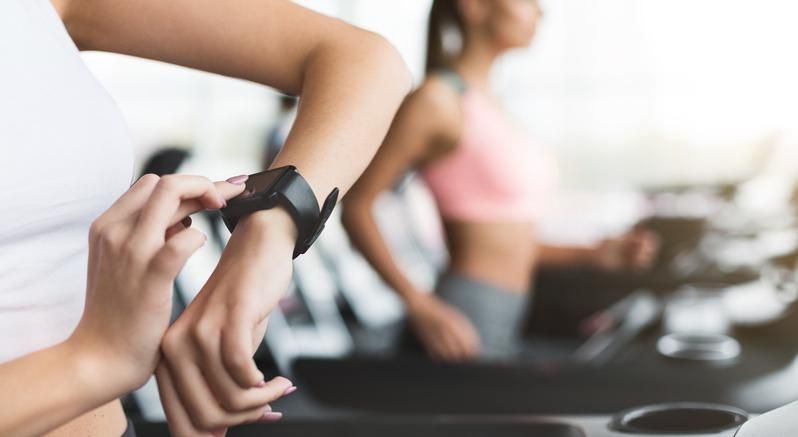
x: 366, y: 54
x: 354, y: 54
x: 386, y: 62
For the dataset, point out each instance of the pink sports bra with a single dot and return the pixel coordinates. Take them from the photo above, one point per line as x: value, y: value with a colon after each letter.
x: 494, y: 173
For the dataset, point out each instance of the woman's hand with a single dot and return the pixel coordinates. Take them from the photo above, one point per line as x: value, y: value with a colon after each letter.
x: 208, y: 379
x: 136, y: 249
x: 635, y: 250
x: 445, y: 332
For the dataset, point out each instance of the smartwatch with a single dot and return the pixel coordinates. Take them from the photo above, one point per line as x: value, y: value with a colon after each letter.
x: 283, y: 187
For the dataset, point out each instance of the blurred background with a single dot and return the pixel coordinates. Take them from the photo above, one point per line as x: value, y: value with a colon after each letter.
x: 626, y: 92
x: 681, y: 113
x: 628, y: 95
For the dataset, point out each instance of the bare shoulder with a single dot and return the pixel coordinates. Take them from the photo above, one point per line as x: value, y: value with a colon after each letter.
x: 440, y: 105
x: 436, y: 94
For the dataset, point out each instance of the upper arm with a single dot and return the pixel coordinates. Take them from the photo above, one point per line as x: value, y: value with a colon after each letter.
x: 265, y: 41
x: 430, y: 120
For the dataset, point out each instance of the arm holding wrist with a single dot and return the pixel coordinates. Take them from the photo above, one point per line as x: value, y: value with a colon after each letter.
x: 48, y: 388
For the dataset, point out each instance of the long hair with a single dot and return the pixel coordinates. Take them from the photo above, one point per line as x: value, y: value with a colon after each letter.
x: 444, y: 24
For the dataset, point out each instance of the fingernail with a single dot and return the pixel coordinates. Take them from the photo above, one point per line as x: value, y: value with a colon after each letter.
x: 261, y: 384
x: 267, y: 409
x: 289, y: 390
x: 271, y: 417
x: 238, y: 180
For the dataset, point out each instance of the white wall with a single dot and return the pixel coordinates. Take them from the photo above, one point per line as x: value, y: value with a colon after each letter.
x: 625, y: 91
x: 658, y: 91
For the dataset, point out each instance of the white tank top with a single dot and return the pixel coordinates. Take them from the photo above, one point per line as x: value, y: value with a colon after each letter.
x: 65, y: 156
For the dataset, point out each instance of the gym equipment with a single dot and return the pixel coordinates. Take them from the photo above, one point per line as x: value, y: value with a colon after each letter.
x: 673, y: 420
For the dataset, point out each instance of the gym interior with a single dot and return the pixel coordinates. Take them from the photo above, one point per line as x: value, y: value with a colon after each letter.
x: 675, y: 119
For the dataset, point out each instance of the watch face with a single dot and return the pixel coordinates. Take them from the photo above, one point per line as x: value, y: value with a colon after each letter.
x: 261, y: 182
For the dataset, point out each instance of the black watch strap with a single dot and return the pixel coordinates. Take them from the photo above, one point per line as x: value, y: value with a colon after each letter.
x: 290, y: 191
x: 295, y: 195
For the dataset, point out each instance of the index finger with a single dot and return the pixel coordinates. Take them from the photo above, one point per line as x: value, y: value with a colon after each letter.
x: 176, y: 195
x: 188, y: 207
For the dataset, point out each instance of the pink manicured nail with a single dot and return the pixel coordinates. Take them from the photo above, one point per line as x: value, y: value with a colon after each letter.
x: 289, y: 390
x: 238, y: 180
x: 271, y: 417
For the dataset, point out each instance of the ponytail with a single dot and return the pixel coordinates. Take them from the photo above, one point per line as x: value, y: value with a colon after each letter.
x: 444, y: 19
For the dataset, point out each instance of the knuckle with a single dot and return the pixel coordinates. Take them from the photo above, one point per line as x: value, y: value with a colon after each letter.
x: 168, y: 253
x: 96, y: 229
x: 110, y: 236
x: 169, y: 179
x: 209, y: 420
x: 169, y: 184
x: 280, y: 381
x: 231, y: 401
x: 202, y: 333
x: 164, y: 266
x: 238, y: 361
x: 171, y: 343
x: 149, y: 179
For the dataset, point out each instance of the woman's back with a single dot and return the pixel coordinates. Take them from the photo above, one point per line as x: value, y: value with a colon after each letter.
x: 67, y: 156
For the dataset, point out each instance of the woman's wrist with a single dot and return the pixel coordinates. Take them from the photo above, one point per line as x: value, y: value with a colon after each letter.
x: 271, y: 230
x: 95, y: 373
x: 414, y: 299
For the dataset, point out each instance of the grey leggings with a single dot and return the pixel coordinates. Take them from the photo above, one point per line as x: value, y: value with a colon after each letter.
x: 496, y: 313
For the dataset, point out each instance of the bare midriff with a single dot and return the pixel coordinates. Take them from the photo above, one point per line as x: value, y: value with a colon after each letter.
x: 108, y: 420
x: 502, y: 254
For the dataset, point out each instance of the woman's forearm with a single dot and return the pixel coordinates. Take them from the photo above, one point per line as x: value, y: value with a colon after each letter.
x: 46, y: 389
x: 351, y: 81
x: 350, y: 92
x: 366, y: 237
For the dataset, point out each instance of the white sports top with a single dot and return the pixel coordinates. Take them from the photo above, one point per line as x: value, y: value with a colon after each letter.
x: 65, y: 156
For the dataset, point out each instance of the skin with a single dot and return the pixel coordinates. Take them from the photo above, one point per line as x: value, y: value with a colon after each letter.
x: 351, y: 83
x: 136, y: 249
x: 427, y: 128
